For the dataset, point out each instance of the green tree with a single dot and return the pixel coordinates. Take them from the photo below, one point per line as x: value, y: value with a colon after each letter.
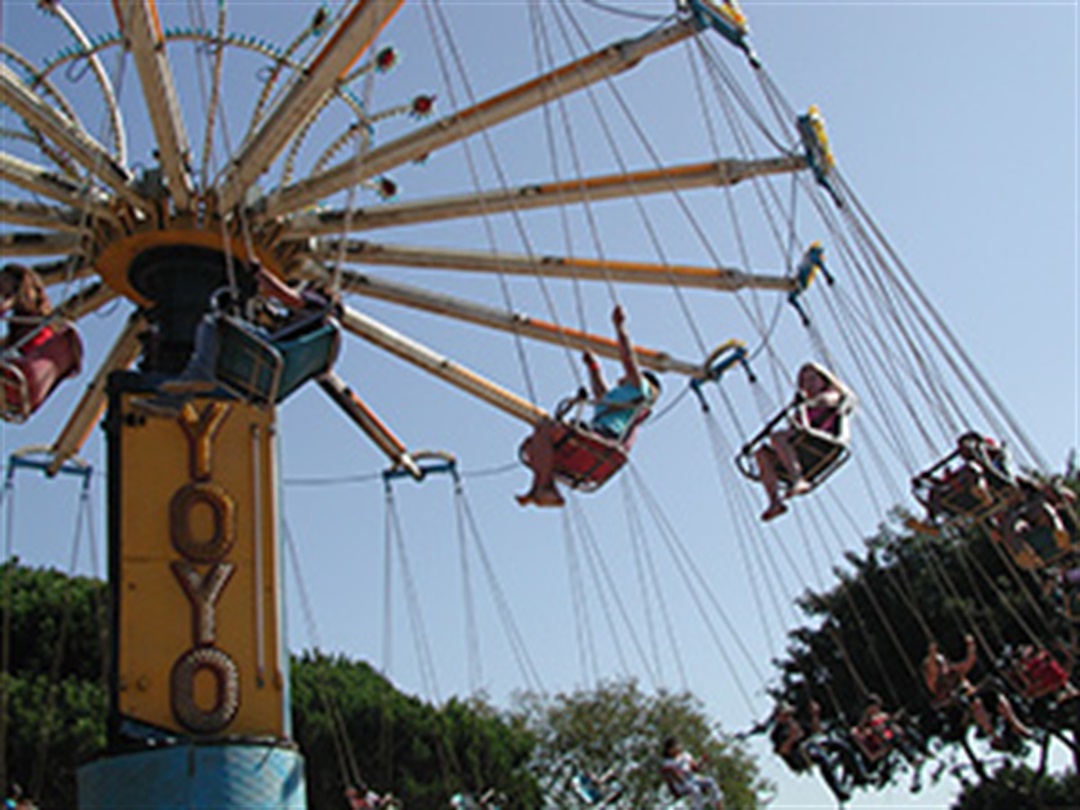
x: 618, y: 726
x: 870, y: 632
x: 353, y: 726
x: 351, y: 723
x: 1021, y: 788
x: 53, y: 692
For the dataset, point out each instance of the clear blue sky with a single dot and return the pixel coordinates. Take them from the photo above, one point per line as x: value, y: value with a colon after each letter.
x: 955, y: 123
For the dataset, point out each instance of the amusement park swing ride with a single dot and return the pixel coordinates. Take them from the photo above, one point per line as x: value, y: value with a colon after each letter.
x: 296, y: 178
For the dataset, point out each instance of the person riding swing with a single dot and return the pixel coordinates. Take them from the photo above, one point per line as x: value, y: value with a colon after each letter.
x: 683, y: 776
x: 39, y: 351
x: 587, y: 454
x: 961, y: 702
x: 262, y: 364
x: 793, y: 460
x: 974, y: 482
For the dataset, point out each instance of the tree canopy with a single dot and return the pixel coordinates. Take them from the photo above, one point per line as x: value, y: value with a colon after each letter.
x: 870, y: 633
x: 352, y: 725
x: 618, y: 728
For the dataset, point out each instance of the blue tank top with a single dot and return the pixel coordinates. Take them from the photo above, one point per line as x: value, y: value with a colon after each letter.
x: 615, y: 413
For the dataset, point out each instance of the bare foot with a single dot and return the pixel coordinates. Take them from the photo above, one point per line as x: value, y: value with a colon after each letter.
x: 800, y: 486
x: 548, y: 497
x: 543, y: 497
x: 775, y: 509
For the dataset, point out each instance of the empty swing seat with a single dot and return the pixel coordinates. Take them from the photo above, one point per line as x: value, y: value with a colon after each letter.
x: 30, y: 374
x: 265, y: 369
x: 1045, y: 547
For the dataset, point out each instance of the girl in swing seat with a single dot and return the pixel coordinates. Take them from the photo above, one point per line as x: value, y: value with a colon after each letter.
x: 35, y: 352
x: 819, y: 404
x: 618, y: 412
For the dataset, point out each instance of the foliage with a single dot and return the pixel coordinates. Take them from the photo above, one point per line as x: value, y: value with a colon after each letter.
x: 349, y: 721
x: 354, y: 726
x: 1020, y: 788
x: 53, y: 679
x: 870, y: 633
x: 56, y: 711
x: 617, y: 726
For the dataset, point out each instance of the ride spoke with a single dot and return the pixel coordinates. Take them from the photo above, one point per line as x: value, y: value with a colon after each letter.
x: 318, y: 78
x: 141, y: 26
x: 460, y: 125
x: 565, y: 267
x: 70, y: 136
x: 505, y: 321
x: 542, y: 195
x: 442, y: 367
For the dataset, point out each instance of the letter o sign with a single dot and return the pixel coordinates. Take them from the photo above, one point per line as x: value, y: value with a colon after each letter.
x: 210, y: 546
x: 226, y: 690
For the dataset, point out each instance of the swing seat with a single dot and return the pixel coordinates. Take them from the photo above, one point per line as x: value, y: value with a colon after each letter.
x: 1042, y: 543
x: 30, y: 375
x: 265, y: 369
x: 1040, y: 676
x: 583, y: 460
x: 820, y: 454
x: 874, y: 744
x: 949, y: 489
x: 1046, y: 546
x: 595, y: 793
x: 586, y: 789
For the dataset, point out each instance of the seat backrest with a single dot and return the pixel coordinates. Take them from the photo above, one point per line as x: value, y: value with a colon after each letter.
x: 817, y: 453
x: 14, y: 392
x: 307, y: 354
x: 21, y: 390
x: 248, y: 364
x: 584, y: 460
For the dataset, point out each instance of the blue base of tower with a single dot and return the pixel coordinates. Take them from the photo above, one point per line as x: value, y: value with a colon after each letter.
x: 224, y: 776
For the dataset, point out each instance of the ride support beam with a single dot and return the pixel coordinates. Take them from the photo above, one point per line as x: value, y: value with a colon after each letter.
x: 541, y: 195
x: 502, y: 320
x: 39, y: 180
x: 63, y: 271
x: 318, y: 78
x: 91, y: 406
x: 37, y: 215
x: 445, y: 369
x: 144, y: 37
x: 562, y: 267
x: 457, y: 126
x: 33, y: 243
x: 361, y: 414
x: 89, y: 299
x: 69, y: 136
